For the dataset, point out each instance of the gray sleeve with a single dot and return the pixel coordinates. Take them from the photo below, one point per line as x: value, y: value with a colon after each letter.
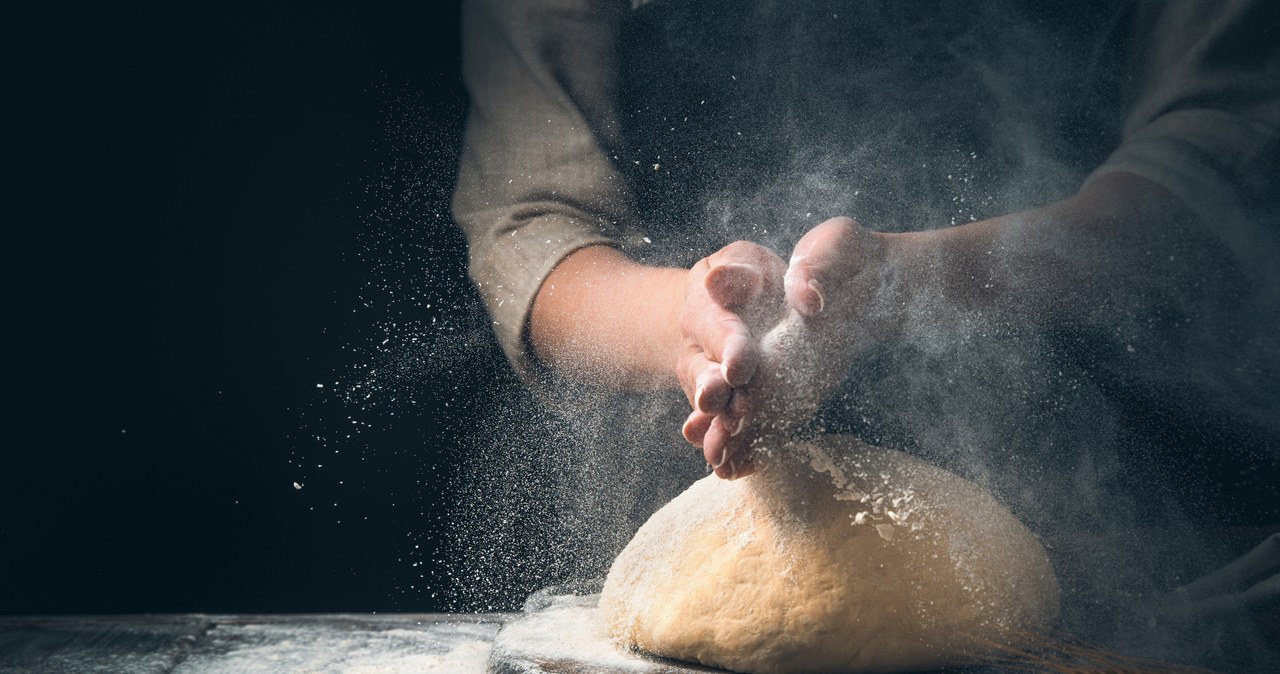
x: 537, y: 179
x: 1205, y: 117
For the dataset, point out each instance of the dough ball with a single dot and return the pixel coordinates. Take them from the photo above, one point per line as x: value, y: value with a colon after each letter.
x: 836, y: 557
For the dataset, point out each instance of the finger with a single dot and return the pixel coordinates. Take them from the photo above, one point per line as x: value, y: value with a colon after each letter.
x: 805, y: 293
x: 711, y: 392
x: 733, y: 285
x: 734, y: 417
x: 747, y: 278
x: 695, y: 427
x: 738, y: 412
x: 721, y: 439
x: 703, y: 383
x: 690, y: 367
x: 715, y: 446
x: 725, y: 339
x: 772, y: 292
x: 737, y: 467
x: 815, y: 250
x: 739, y: 359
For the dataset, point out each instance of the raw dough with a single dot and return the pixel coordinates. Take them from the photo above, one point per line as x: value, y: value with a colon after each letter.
x: 841, y: 558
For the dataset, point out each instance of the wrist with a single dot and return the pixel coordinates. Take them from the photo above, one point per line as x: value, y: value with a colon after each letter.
x: 897, y: 279
x: 602, y: 316
x: 1065, y: 262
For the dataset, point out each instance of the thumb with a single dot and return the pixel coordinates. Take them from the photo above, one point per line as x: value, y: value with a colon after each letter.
x: 804, y: 292
x: 733, y: 285
x: 817, y: 250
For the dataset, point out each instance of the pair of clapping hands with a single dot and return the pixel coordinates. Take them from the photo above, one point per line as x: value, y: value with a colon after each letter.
x: 765, y: 340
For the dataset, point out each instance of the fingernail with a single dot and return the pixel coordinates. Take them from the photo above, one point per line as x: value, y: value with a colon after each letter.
x: 817, y: 290
x: 724, y: 371
x: 716, y: 465
x: 733, y: 471
x: 724, y: 456
x: 697, y: 398
x: 742, y: 422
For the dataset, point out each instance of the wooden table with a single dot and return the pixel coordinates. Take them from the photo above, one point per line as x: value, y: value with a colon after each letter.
x: 208, y: 644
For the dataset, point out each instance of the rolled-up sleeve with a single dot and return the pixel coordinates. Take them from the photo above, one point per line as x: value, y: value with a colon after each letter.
x: 1204, y: 120
x: 537, y: 180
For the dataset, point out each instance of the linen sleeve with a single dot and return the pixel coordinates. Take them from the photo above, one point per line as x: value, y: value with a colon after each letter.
x: 537, y: 180
x: 1204, y: 119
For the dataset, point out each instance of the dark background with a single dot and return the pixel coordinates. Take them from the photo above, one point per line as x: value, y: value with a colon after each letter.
x: 208, y: 213
x: 193, y: 247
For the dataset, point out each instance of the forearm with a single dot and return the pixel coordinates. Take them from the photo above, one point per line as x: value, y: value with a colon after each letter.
x: 600, y: 315
x: 1113, y: 249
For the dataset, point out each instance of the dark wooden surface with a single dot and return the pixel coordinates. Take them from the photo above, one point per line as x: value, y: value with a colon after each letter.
x: 207, y: 644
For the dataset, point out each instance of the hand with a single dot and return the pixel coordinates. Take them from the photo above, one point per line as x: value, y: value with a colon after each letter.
x: 839, y: 275
x: 838, y: 290
x: 731, y: 298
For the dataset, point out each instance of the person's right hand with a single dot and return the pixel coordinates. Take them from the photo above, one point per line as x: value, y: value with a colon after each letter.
x: 731, y: 298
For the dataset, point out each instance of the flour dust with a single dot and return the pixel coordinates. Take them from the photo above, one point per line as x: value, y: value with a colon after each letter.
x: 1128, y: 446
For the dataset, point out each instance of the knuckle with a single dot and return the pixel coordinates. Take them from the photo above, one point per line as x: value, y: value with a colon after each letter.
x: 682, y: 374
x: 730, y: 324
x: 743, y: 250
x: 704, y: 377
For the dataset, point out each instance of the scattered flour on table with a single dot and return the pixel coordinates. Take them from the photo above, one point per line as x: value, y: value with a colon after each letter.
x: 573, y: 634
x: 461, y: 648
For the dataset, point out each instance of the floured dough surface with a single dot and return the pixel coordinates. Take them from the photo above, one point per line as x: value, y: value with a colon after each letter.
x: 841, y: 557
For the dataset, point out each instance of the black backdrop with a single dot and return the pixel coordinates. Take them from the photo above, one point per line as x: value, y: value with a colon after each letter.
x: 197, y: 202
x: 185, y: 263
